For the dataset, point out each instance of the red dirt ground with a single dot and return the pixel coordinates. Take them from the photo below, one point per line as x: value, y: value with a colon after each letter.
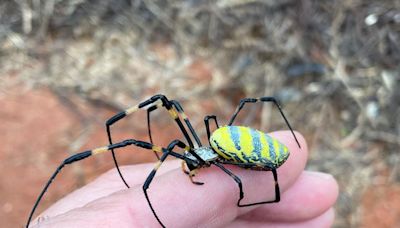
x: 381, y: 207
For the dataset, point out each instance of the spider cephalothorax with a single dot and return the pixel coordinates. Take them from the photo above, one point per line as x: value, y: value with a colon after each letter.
x: 235, y: 145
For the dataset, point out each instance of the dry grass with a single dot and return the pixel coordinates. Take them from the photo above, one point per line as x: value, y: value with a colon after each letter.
x: 334, y: 64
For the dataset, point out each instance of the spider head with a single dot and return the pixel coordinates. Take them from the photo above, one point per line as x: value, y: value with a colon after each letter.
x: 207, y: 154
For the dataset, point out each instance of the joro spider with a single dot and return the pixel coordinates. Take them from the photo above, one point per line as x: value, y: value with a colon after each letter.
x: 235, y: 145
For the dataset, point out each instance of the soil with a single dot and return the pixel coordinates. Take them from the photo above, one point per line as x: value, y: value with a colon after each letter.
x: 381, y: 207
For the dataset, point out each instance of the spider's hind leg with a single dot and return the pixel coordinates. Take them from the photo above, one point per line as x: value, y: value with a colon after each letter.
x: 180, y: 112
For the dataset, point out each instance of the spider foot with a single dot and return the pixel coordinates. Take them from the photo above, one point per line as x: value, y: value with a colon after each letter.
x: 191, y: 175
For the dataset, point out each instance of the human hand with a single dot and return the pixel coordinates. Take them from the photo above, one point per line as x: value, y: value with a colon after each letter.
x: 306, y: 197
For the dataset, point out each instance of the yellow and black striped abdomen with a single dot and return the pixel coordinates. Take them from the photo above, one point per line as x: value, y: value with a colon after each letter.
x: 246, y: 145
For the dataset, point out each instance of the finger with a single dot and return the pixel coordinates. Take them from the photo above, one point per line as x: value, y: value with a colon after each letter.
x: 324, y: 220
x: 180, y: 203
x: 310, y: 196
x: 105, y: 185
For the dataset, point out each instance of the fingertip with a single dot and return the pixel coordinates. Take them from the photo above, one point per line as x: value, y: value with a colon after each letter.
x: 319, y: 192
x: 330, y: 184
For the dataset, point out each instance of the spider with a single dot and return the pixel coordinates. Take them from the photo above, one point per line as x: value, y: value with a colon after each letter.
x: 229, y: 144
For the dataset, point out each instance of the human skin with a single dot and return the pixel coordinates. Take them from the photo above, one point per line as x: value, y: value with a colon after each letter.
x: 307, y: 197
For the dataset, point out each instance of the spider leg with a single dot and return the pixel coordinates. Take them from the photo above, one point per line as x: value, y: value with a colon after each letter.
x: 277, y: 193
x: 183, y: 168
x: 191, y: 174
x: 241, y: 194
x: 181, y: 114
x: 206, y: 122
x: 235, y: 178
x: 262, y: 99
x: 157, y: 101
x: 146, y: 185
x: 88, y: 153
x: 179, y: 108
x: 149, y: 110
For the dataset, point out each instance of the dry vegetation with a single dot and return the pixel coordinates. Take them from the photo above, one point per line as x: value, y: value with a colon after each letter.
x: 333, y: 64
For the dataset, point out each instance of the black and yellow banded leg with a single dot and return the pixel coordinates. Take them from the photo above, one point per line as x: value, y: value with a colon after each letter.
x: 185, y: 118
x: 149, y: 110
x: 262, y: 99
x: 149, y: 179
x: 157, y: 101
x: 241, y: 193
x: 181, y: 114
x: 206, y: 122
x: 88, y: 153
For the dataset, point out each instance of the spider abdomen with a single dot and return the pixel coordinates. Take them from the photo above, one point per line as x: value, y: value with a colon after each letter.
x: 246, y: 145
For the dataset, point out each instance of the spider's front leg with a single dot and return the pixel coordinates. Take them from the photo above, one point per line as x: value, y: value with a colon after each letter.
x: 151, y: 104
x: 82, y: 155
x: 181, y: 113
x: 166, y: 153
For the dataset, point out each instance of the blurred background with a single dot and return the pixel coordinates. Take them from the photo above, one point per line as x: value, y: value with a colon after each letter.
x: 67, y: 66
